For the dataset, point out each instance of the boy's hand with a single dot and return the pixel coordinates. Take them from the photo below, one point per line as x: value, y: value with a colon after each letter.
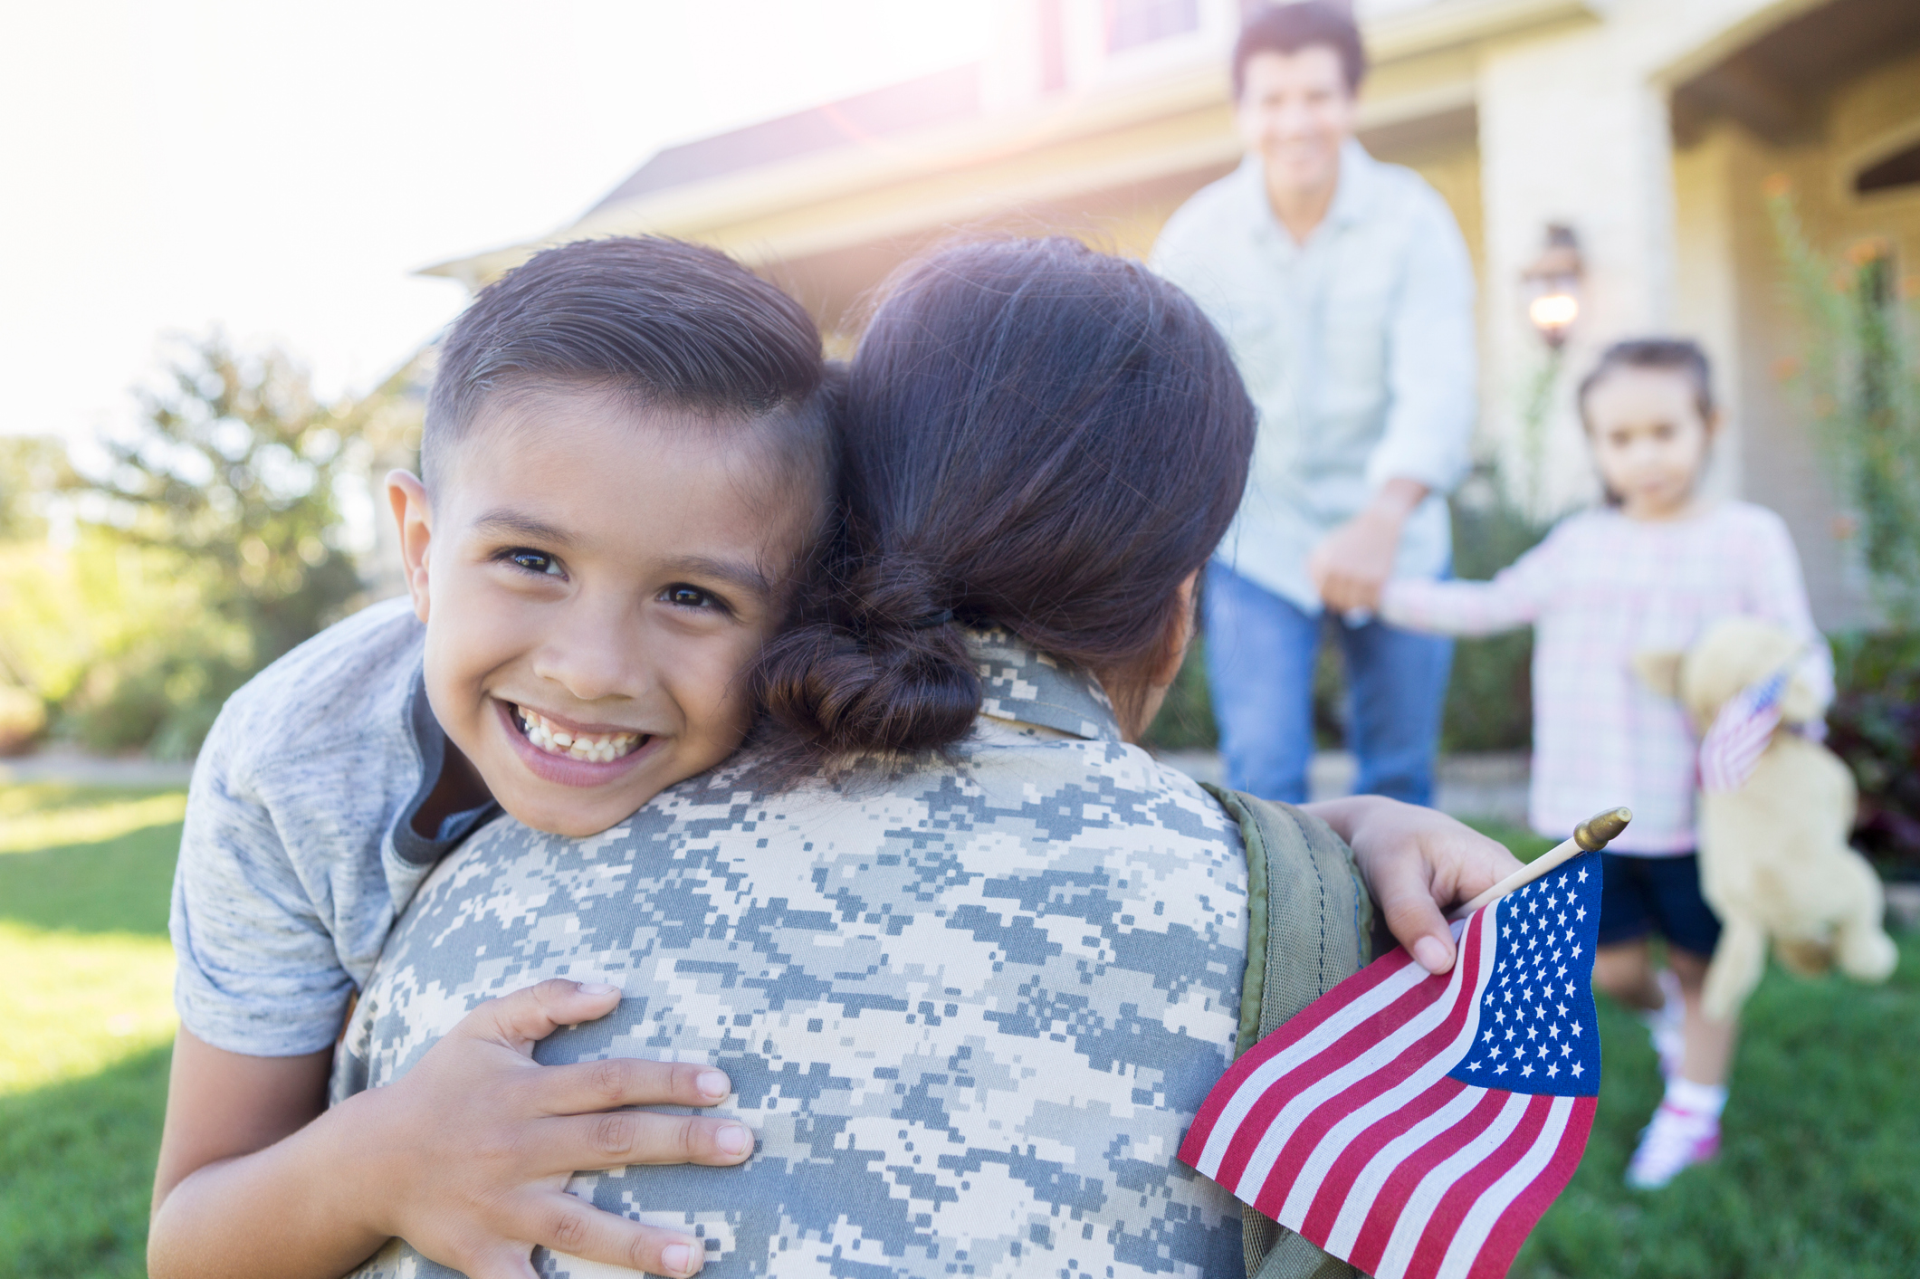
x: 476, y: 1143
x: 1417, y: 864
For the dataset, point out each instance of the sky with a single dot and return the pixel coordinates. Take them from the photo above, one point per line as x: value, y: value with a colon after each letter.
x: 280, y: 170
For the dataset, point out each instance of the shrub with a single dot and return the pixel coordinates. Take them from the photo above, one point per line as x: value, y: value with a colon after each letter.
x: 1874, y: 725
x: 1490, y: 698
x: 1860, y: 380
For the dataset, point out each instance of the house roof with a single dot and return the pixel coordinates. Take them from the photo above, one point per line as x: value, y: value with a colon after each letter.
x: 941, y: 98
x: 930, y: 152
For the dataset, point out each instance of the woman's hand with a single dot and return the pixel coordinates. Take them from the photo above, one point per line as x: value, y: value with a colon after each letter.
x: 467, y: 1156
x: 1417, y: 863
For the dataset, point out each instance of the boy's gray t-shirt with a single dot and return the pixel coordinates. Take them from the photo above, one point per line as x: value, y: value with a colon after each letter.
x: 299, y: 849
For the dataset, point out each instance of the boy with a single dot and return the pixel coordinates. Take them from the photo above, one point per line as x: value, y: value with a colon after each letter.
x: 625, y: 455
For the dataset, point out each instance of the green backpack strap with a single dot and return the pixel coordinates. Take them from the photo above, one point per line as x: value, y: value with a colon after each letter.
x: 1308, y: 923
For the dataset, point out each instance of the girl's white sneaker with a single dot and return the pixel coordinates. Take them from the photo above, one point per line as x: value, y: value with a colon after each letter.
x: 1675, y: 1140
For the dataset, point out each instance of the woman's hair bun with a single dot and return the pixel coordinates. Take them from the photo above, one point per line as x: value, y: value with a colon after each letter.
x: 886, y: 670
x: 1037, y: 437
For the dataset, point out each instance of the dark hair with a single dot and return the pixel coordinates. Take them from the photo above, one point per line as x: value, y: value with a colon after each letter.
x: 1036, y: 436
x: 1289, y: 28
x: 662, y: 321
x: 1673, y: 355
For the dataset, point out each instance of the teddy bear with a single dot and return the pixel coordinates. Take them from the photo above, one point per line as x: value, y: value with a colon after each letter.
x: 1774, y: 860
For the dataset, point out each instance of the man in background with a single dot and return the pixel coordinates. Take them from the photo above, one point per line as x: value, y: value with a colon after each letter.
x: 1345, y: 290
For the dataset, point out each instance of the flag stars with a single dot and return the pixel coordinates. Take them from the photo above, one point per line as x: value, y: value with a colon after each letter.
x: 1575, y: 1068
x: 1553, y: 1032
x: 1583, y: 874
x: 1526, y: 1071
x: 1553, y: 1070
x: 1580, y: 913
x: 1501, y: 1069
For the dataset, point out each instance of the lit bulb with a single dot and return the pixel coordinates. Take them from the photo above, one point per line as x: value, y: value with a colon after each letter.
x: 1552, y: 312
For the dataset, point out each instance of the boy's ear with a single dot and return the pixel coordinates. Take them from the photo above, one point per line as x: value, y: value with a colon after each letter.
x: 413, y: 518
x: 1659, y: 670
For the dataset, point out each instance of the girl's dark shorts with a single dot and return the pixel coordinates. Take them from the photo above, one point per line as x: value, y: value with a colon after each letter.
x: 1661, y: 895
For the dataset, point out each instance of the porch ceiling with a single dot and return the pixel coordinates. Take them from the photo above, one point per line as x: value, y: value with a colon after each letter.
x: 1774, y: 86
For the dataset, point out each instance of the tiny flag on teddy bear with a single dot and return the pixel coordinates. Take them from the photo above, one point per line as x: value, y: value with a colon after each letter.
x: 1416, y: 1125
x: 1738, y: 738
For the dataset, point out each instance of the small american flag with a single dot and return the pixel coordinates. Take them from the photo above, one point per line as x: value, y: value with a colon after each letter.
x: 1417, y: 1125
x: 1740, y: 734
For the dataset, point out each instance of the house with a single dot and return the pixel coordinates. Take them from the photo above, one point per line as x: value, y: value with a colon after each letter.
x: 1649, y: 127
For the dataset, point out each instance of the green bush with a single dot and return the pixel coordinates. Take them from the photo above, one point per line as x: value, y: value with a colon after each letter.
x: 1490, y: 696
x: 1874, y: 724
x: 210, y: 543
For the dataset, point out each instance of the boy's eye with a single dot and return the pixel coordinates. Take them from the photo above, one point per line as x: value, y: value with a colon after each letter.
x: 535, y: 562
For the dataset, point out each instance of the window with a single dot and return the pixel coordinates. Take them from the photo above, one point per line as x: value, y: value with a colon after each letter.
x: 1053, y: 45
x: 1901, y: 169
x: 1131, y: 23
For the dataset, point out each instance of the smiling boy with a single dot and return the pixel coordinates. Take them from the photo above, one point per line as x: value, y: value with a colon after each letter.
x: 626, y: 453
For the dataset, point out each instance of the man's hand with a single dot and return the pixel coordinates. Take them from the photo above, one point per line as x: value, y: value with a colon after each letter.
x: 466, y: 1157
x: 478, y: 1141
x: 1417, y: 863
x: 1351, y: 565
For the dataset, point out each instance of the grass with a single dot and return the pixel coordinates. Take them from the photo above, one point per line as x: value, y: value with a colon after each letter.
x: 87, y: 1005
x: 1819, y: 1174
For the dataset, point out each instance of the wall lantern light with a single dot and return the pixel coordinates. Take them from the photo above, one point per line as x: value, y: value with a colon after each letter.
x: 1553, y: 285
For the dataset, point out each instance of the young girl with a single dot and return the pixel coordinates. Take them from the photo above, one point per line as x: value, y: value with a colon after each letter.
x: 1648, y: 570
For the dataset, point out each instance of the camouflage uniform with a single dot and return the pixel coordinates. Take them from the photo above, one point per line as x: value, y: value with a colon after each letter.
x: 969, y: 1009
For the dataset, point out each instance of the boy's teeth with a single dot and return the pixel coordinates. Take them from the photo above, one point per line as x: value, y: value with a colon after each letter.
x: 558, y: 741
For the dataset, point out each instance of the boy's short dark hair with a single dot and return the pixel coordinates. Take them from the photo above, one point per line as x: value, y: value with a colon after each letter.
x: 668, y: 323
x: 1289, y: 28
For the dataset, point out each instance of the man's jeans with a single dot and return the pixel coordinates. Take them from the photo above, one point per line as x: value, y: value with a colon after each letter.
x: 1260, y: 658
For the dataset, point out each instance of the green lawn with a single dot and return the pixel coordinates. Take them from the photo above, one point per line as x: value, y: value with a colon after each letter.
x: 86, y: 1003
x: 1819, y: 1175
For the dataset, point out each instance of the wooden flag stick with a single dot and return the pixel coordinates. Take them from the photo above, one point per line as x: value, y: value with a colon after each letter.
x: 1589, y: 836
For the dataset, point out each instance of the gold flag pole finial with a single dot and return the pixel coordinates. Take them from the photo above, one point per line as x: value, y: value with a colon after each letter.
x: 1589, y: 836
x: 1601, y: 829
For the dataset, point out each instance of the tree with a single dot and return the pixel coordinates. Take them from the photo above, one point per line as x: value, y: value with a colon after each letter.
x: 237, y: 473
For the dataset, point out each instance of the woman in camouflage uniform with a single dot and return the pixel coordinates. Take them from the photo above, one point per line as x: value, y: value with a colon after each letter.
x: 970, y: 958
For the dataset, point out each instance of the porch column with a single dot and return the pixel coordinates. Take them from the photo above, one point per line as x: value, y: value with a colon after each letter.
x: 1573, y: 131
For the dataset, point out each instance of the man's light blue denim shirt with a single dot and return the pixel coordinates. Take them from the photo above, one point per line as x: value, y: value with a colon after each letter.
x: 1357, y: 348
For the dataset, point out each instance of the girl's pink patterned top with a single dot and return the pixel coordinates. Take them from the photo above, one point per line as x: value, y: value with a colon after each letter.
x: 1600, y: 588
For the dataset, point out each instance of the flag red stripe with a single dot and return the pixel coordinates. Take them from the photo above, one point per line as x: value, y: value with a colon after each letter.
x: 1291, y: 1032
x: 1362, y: 1040
x: 1399, y: 1187
x: 1320, y: 1219
x: 1503, y: 1243
x: 1356, y: 1043
x: 1466, y: 1189
x: 1390, y: 1073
